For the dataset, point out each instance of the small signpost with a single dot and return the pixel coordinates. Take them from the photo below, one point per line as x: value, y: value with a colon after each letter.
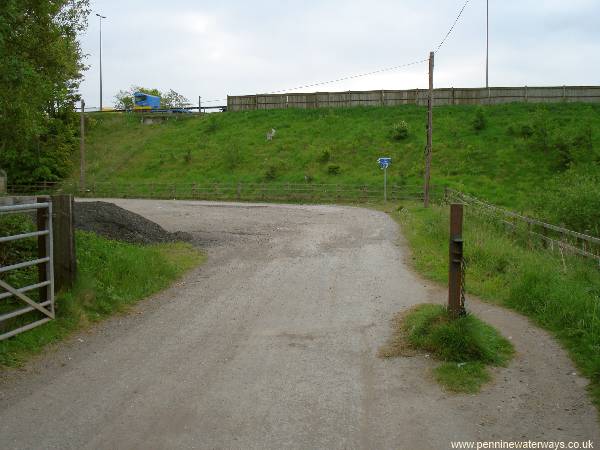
x: 384, y: 163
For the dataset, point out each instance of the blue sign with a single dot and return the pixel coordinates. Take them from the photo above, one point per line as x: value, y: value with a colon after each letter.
x: 384, y: 163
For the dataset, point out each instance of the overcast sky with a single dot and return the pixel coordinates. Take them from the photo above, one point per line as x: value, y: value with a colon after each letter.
x: 235, y: 47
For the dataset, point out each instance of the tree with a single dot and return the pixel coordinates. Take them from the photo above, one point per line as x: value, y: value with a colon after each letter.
x: 168, y: 99
x: 172, y: 99
x: 40, y: 71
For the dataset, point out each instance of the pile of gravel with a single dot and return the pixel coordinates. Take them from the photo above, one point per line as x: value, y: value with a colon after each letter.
x: 114, y: 222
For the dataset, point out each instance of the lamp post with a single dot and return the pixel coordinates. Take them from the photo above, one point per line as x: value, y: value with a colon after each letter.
x: 487, y: 42
x: 101, y: 17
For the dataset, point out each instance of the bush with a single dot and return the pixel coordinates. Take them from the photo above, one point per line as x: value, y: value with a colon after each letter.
x: 324, y: 157
x: 333, y: 169
x: 400, y: 131
x: 479, y: 122
x: 526, y: 131
x: 271, y: 173
x: 541, y: 132
x: 188, y: 156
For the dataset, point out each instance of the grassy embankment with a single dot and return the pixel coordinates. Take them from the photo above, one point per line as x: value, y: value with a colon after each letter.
x: 112, y: 276
x: 562, y: 296
x: 510, y: 158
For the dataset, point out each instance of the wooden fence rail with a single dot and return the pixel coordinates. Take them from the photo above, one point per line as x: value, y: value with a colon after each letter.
x: 442, y: 96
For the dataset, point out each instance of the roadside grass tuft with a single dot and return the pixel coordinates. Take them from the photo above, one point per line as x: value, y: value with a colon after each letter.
x: 112, y: 276
x: 466, y: 345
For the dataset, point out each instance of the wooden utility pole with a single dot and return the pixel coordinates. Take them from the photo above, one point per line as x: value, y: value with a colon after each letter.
x: 199, y: 104
x: 455, y: 272
x: 429, y: 133
x: 82, y: 148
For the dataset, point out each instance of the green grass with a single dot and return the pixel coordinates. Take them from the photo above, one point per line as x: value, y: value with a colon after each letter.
x: 560, y: 296
x: 465, y: 344
x: 112, y: 276
x: 466, y: 378
x: 500, y: 162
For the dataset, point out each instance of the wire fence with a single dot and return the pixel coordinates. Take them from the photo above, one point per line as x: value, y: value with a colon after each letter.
x: 271, y: 191
x: 553, y: 237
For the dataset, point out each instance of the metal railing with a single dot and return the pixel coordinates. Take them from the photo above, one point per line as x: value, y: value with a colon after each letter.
x: 45, y: 284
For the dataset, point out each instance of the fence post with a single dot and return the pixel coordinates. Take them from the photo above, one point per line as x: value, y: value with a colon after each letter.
x: 2, y: 182
x: 65, y: 261
x: 455, y: 275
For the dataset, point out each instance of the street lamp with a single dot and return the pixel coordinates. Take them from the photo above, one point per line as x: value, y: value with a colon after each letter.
x: 101, y: 17
x: 487, y: 42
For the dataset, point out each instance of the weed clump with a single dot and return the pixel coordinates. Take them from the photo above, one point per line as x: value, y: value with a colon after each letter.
x: 271, y: 173
x: 465, y: 345
x: 480, y: 121
x: 333, y: 169
x: 400, y: 131
x: 324, y: 157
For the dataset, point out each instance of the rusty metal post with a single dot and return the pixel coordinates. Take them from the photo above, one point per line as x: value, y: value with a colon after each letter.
x: 455, y: 275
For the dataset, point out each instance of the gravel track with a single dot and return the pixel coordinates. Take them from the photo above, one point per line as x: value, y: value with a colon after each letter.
x: 273, y: 344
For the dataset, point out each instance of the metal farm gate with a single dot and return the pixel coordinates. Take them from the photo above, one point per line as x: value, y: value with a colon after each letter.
x: 45, y: 283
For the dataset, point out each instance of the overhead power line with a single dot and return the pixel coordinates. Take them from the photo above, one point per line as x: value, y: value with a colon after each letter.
x: 349, y: 77
x: 365, y: 74
x: 453, y: 25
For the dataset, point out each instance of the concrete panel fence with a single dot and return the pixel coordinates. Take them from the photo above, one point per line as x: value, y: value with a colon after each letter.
x: 442, y: 96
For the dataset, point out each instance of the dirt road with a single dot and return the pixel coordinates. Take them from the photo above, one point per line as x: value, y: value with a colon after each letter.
x: 273, y: 343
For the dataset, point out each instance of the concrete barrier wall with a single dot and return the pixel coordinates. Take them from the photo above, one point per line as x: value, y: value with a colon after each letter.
x: 442, y: 96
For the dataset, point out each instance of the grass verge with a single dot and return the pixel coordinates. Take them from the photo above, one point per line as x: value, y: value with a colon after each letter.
x: 560, y: 295
x: 466, y: 345
x: 112, y: 276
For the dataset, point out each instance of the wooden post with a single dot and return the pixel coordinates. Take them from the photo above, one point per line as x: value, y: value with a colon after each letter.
x: 3, y: 182
x: 199, y: 104
x: 82, y: 148
x: 63, y: 230
x: 455, y: 306
x: 429, y: 133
